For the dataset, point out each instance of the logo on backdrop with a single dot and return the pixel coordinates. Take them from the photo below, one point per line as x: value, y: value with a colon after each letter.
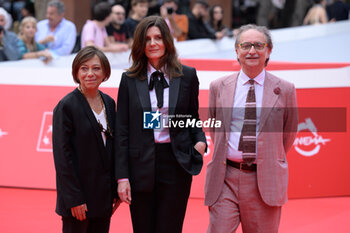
x: 3, y: 133
x: 309, y: 145
x: 45, y: 136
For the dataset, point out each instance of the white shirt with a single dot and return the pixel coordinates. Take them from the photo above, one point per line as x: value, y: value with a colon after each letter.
x: 101, y: 118
x: 160, y: 135
x: 65, y: 36
x: 241, y: 92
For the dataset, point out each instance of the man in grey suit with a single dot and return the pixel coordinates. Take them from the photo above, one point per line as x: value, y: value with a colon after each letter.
x: 247, y: 179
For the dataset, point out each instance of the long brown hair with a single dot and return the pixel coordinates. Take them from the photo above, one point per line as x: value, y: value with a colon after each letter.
x: 169, y: 60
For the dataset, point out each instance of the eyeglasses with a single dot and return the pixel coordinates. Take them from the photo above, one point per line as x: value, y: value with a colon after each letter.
x: 248, y: 45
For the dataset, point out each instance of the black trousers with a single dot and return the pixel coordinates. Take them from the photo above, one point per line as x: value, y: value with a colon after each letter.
x: 90, y: 225
x: 162, y: 210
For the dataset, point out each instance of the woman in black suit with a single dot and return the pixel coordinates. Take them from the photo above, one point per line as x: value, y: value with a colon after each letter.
x: 154, y: 167
x: 83, y: 148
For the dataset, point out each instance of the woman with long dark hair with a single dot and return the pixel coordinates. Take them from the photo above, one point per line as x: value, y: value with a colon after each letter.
x: 216, y: 17
x: 155, y: 164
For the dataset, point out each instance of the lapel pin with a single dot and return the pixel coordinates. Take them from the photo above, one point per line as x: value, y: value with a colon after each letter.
x: 277, y: 90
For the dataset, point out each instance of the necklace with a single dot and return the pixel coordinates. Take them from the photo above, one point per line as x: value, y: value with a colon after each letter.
x: 107, y: 132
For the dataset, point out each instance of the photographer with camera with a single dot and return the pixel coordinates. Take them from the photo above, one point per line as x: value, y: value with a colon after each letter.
x: 178, y: 24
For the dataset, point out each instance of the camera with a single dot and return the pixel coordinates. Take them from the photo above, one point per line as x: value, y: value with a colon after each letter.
x: 170, y: 10
x: 1, y: 28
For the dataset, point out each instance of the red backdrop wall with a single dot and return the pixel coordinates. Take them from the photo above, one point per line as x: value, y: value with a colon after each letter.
x: 318, y: 162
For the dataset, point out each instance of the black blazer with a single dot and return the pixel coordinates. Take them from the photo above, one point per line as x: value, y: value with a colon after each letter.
x: 135, y: 154
x: 84, y: 165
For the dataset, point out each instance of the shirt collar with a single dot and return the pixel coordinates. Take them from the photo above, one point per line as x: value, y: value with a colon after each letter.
x: 151, y: 69
x: 243, y: 78
x: 58, y: 26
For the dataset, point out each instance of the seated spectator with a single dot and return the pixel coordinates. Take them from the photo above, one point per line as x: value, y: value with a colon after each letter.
x: 139, y: 9
x: 317, y: 13
x: 117, y: 30
x: 197, y: 28
x: 94, y: 31
x: 9, y: 49
x: 178, y: 24
x: 215, y: 24
x: 55, y: 32
x: 338, y: 10
x: 8, y: 24
x: 28, y: 47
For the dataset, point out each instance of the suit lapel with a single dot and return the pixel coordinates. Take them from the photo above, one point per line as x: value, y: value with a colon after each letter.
x: 269, y: 98
x: 173, y: 93
x: 143, y: 93
x: 88, y: 112
x: 108, y: 148
x: 108, y: 111
x: 94, y: 124
x: 227, y: 98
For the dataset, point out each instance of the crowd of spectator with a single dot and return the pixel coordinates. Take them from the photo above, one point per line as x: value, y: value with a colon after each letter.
x: 113, y: 22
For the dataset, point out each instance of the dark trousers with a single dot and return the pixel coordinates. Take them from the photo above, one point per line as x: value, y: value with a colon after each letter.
x: 162, y: 210
x: 90, y: 225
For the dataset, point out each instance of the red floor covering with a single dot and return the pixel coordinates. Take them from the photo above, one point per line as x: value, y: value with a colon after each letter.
x: 32, y: 211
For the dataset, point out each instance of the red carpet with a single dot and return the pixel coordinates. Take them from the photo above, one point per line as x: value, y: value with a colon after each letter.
x: 32, y: 211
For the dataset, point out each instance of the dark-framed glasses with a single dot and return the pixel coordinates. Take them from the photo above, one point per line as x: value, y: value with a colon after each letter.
x: 248, y: 45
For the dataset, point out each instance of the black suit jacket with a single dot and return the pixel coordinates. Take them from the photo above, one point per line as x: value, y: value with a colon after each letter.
x: 135, y: 156
x: 84, y: 165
